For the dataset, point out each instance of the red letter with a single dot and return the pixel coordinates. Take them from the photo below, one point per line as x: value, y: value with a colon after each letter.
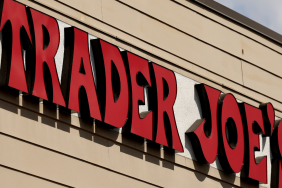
x: 276, y: 148
x: 12, y: 67
x: 46, y: 49
x: 203, y: 133
x: 276, y: 140
x: 140, y: 67
x: 268, y: 117
x: 112, y: 83
x: 165, y: 79
x: 77, y: 73
x: 231, y: 146
x: 254, y: 168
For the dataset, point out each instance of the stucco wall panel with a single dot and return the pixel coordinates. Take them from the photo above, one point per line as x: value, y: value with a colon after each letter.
x: 137, y: 46
x: 92, y: 8
x: 258, y: 79
x: 13, y: 179
x: 73, y: 137
x: 262, y: 57
x: 71, y: 171
x: 191, y: 23
x: 195, y: 24
x: 60, y: 168
x: 171, y: 40
x: 211, y: 32
x: 229, y: 24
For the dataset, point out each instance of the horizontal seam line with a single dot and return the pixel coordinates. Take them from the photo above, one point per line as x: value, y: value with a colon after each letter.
x: 76, y: 158
x: 33, y: 175
x: 153, y: 45
x: 88, y: 162
x: 174, y: 64
x: 190, y: 35
x: 271, y: 73
x: 266, y: 37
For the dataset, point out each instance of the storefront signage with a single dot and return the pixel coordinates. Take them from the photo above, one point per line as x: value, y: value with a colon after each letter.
x: 230, y: 130
x: 111, y: 88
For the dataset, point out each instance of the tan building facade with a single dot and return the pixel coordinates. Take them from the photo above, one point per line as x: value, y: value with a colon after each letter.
x: 200, y: 41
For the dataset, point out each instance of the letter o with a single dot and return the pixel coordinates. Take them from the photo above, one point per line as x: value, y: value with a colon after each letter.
x: 231, y: 135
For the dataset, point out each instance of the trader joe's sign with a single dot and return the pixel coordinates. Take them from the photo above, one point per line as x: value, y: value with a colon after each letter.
x: 111, y: 87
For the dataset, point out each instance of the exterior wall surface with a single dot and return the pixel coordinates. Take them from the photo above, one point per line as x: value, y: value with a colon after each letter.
x: 44, y: 147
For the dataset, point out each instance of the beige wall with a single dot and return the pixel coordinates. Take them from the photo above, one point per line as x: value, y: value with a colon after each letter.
x: 40, y: 147
x: 43, y: 148
x: 184, y: 37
